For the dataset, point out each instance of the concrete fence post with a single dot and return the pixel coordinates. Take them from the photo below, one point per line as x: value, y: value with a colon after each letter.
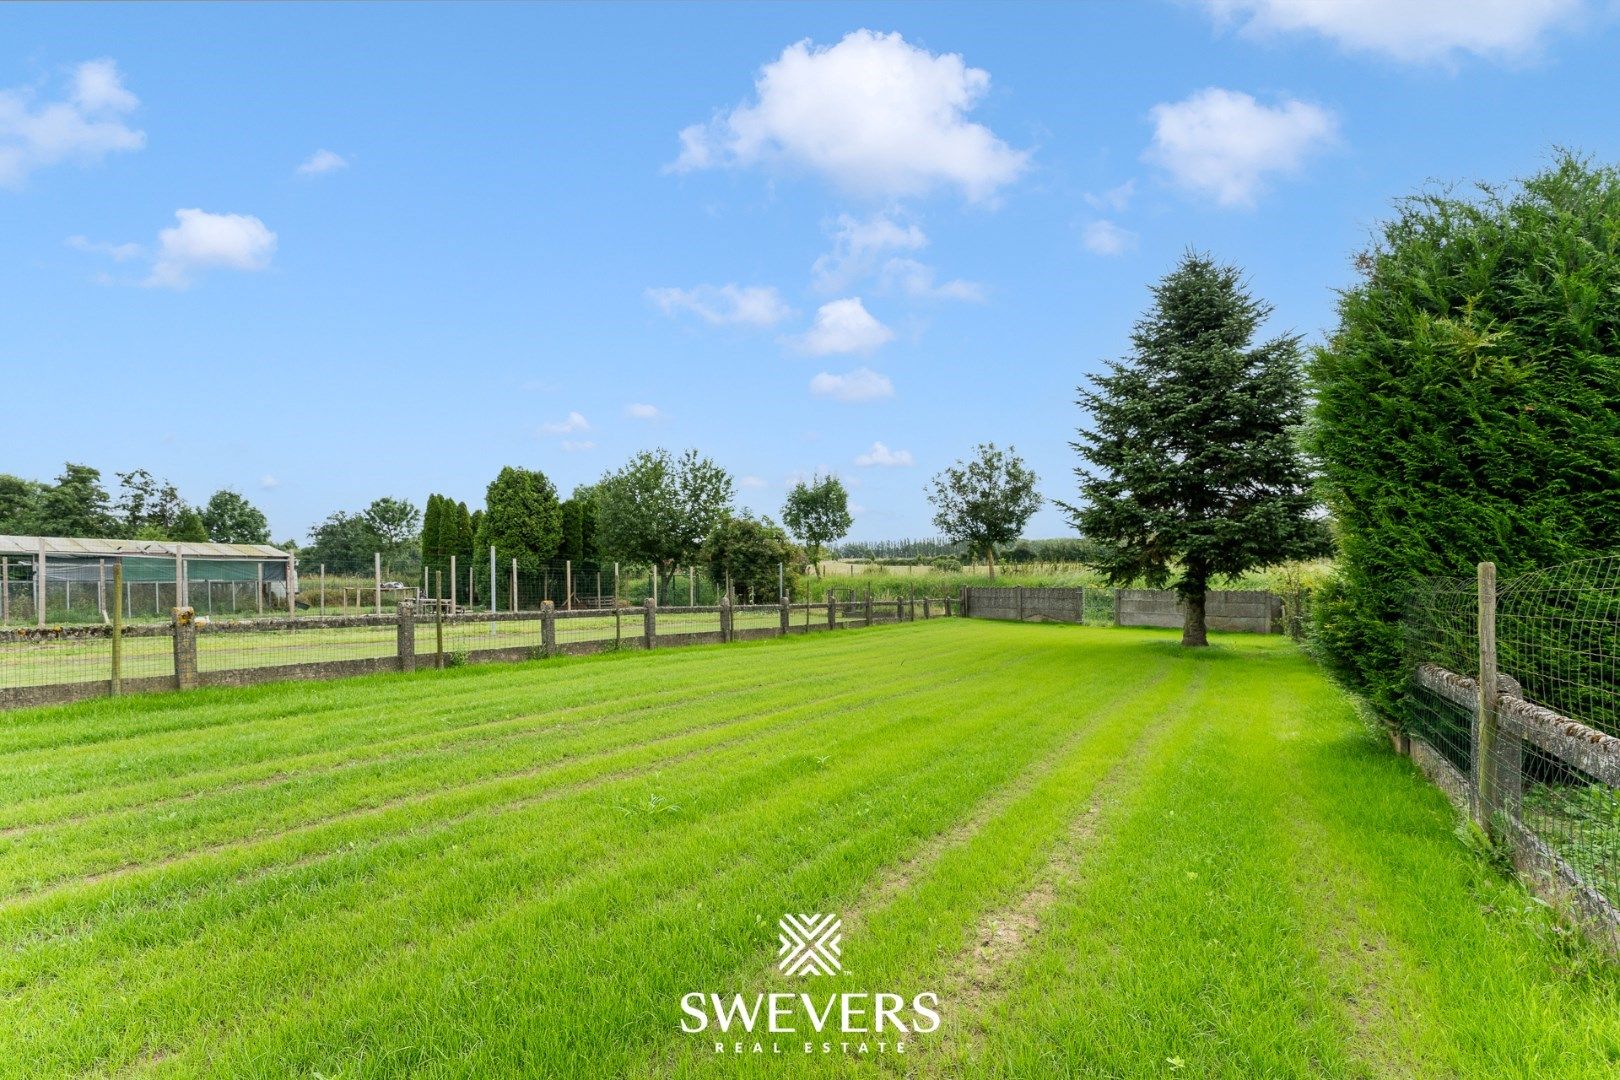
x: 185, y: 648
x: 649, y: 631
x: 405, y: 634
x: 832, y: 610
x: 1498, y: 755
x: 787, y: 613
x: 117, y: 684
x: 548, y: 628
x: 726, y: 632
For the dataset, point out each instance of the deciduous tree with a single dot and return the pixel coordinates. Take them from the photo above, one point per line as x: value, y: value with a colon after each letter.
x: 817, y: 513
x: 985, y: 501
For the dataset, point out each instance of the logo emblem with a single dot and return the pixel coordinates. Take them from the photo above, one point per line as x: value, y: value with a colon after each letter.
x: 810, y: 944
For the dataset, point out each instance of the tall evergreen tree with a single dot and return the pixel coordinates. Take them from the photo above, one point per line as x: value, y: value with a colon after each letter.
x: 432, y: 542
x: 1194, y: 468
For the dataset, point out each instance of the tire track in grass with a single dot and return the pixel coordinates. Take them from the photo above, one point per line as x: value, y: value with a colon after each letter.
x: 154, y: 838
x: 1092, y: 753
x: 425, y: 804
x: 744, y: 840
x: 662, y: 871
x: 1192, y: 955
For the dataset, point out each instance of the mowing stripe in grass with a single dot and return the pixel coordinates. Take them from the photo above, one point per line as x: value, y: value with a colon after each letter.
x: 662, y: 868
x: 453, y: 801
x: 676, y: 897
x: 37, y: 860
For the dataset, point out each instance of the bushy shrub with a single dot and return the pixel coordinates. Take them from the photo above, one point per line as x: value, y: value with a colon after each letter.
x: 1468, y: 405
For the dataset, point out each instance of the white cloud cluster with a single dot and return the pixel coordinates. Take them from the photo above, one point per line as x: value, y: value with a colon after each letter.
x: 881, y: 455
x: 203, y: 241
x: 864, y: 247
x: 754, y: 483
x: 859, y: 244
x: 568, y: 425
x: 1224, y: 144
x: 1413, y: 31
x: 844, y: 326
x: 115, y: 252
x: 862, y: 384
x: 874, y: 114
x: 724, y: 305
x: 916, y: 280
x: 1106, y: 238
x: 85, y: 127
x: 322, y: 161
x: 1115, y: 200
x: 641, y: 411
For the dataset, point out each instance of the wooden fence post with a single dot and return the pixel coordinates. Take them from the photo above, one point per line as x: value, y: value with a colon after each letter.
x: 787, y: 612
x: 926, y: 613
x: 868, y: 607
x: 184, y: 628
x: 1020, y: 603
x: 513, y: 590
x: 832, y: 610
x: 1485, y: 799
x: 405, y: 634
x: 376, y: 569
x: 649, y: 622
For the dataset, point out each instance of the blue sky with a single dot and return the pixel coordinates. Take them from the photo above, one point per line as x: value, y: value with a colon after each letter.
x: 887, y: 232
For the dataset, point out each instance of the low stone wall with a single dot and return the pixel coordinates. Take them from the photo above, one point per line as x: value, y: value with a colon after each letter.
x: 1025, y: 605
x: 1232, y: 610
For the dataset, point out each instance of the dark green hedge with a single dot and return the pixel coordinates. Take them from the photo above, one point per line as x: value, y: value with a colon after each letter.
x: 1468, y: 405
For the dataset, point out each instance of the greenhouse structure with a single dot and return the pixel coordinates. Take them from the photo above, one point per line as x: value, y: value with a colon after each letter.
x: 55, y: 580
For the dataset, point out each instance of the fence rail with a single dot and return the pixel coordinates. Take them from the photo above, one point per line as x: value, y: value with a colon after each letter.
x: 59, y: 664
x: 1514, y: 709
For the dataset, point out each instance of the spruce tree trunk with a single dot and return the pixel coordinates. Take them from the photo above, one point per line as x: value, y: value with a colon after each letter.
x: 1193, y: 632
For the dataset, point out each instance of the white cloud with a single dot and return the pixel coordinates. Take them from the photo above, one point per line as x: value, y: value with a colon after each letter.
x: 724, y: 305
x: 862, y: 384
x: 844, y: 326
x: 881, y: 455
x: 754, y: 482
x: 202, y: 240
x: 322, y: 161
x: 1116, y: 199
x: 858, y: 245
x: 85, y: 127
x: 1409, y: 30
x: 568, y: 425
x: 1106, y: 238
x: 579, y: 446
x: 640, y: 411
x: 874, y: 114
x: 268, y: 482
x: 115, y: 252
x: 916, y: 280
x: 1223, y: 143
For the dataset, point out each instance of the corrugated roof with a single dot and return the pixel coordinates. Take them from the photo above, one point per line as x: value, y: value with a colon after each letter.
x: 83, y: 546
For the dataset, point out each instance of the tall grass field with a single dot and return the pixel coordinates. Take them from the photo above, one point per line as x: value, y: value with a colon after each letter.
x: 1085, y: 851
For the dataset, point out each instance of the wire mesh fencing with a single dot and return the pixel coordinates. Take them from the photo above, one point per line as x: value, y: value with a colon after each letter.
x: 67, y: 663
x: 1515, y: 691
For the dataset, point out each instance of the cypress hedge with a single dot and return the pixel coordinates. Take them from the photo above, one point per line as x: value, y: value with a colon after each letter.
x: 1468, y: 404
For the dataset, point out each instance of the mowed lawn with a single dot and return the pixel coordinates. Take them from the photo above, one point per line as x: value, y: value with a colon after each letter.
x: 1106, y: 857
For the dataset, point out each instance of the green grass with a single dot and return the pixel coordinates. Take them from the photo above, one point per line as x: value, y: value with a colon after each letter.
x: 1109, y: 857
x: 67, y: 660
